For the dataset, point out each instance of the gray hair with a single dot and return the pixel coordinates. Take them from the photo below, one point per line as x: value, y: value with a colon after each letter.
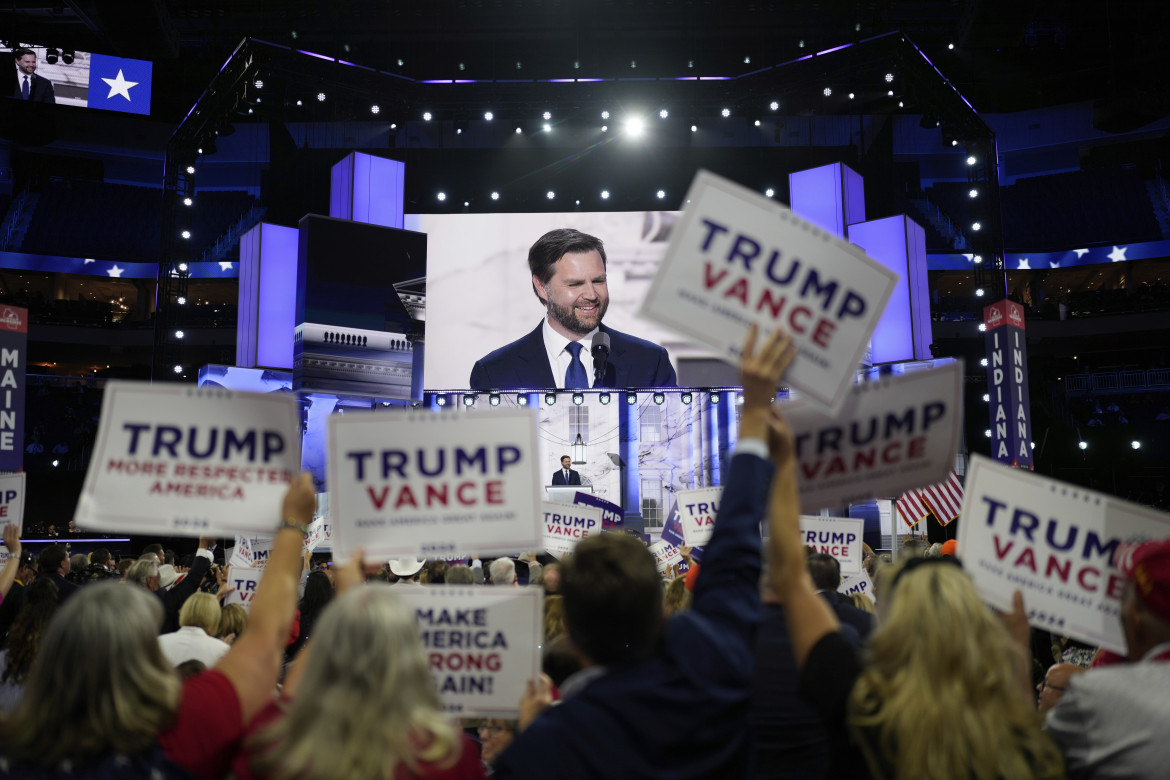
x: 460, y: 574
x: 503, y: 571
x: 142, y: 570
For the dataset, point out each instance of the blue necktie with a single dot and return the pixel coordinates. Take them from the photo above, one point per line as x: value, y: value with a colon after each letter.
x: 575, y: 376
x: 24, y: 88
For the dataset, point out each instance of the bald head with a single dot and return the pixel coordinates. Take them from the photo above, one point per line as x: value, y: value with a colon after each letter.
x: 1056, y: 682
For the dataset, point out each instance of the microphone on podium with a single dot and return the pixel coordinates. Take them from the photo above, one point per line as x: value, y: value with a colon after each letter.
x: 600, y: 351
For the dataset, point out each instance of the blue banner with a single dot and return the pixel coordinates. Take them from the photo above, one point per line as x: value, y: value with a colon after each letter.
x: 1007, y: 384
x: 119, y: 84
x: 13, y: 351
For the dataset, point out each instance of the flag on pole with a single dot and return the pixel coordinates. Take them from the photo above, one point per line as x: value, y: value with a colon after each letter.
x: 944, y: 499
x: 910, y: 508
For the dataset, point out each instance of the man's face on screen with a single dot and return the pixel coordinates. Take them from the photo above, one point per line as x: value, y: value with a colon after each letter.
x: 27, y: 64
x: 577, y: 294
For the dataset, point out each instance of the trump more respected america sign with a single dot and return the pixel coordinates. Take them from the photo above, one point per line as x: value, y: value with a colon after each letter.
x: 739, y: 258
x: 189, y: 461
x: 433, y: 485
x: 1054, y: 542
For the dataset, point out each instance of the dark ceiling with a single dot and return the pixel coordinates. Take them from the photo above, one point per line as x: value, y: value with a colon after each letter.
x: 1007, y: 55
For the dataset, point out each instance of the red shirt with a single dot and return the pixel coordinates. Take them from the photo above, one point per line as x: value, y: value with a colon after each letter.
x: 468, y: 767
x: 208, y: 726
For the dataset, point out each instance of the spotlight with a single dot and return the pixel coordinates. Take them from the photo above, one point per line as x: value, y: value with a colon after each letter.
x: 550, y: 399
x: 827, y: 91
x: 1137, y: 445
x: 51, y: 56
x: 605, y: 115
x: 300, y: 102
x: 495, y: 196
x: 494, y: 399
x: 774, y: 105
x: 663, y: 114
x: 441, y: 400
x: 661, y: 194
x: 889, y: 78
x: 659, y: 398
x: 469, y: 400
x: 55, y: 461
x: 976, y: 226
x: 982, y: 327
x: 1084, y: 445
x: 714, y: 398
x: 605, y: 128
x: 320, y: 97
x: 604, y: 399
x: 426, y: 116
x: 978, y: 292
x: 181, y: 300
x: 442, y: 196
x: 186, y: 234
x: 739, y: 399
x: 488, y: 115
x: 634, y: 126
x: 973, y: 194
x: 986, y: 398
x: 518, y: 131
x: 890, y: 93
x: 190, y: 169
x: 578, y: 399
x: 851, y: 95
x: 67, y: 56
x: 694, y: 128
x: 977, y: 259
x: 375, y: 109
x: 685, y: 398
x: 950, y: 47
x: 631, y: 398
x: 183, y: 267
x: 187, y: 201
x: 605, y: 194
x: 768, y: 193
x: 401, y: 62
x: 546, y: 116
x: 747, y: 60
x: 550, y: 194
x: 547, y: 127
x: 971, y: 159
x: 987, y: 433
x: 983, y: 362
x: 521, y: 400
x: 756, y: 123
x: 259, y: 83
x: 177, y: 369
x: 725, y: 112
x: 179, y: 334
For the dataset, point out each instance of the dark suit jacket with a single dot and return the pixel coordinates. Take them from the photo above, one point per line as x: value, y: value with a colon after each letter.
x: 559, y: 477
x: 40, y: 90
x: 633, y: 362
x: 850, y: 615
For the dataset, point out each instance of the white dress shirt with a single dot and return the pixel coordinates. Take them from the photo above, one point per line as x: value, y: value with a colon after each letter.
x: 192, y: 642
x: 559, y: 356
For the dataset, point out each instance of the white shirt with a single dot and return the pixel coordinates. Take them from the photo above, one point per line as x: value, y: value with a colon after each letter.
x: 192, y: 642
x: 559, y: 356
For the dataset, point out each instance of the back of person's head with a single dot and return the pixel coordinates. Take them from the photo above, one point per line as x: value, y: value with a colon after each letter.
x: 24, y: 637
x: 912, y: 547
x: 124, y: 566
x: 202, y: 611
x: 143, y: 571
x: 503, y: 571
x: 825, y: 571
x: 51, y: 558
x: 940, y: 654
x: 233, y: 619
x: 318, y: 593
x: 156, y: 550
x: 436, y: 572
x: 460, y: 574
x: 100, y: 556
x: 676, y: 598
x: 107, y: 636
x: 560, y: 660
x: 370, y: 682
x: 78, y: 561
x: 190, y: 668
x: 554, y: 617
x: 934, y: 551
x: 613, y: 599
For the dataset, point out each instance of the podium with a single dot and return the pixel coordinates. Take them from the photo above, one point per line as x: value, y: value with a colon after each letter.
x: 564, y: 494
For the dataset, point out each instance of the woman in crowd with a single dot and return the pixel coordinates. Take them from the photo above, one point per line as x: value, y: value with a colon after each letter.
x: 495, y: 734
x: 943, y: 691
x: 554, y: 618
x: 40, y: 602
x: 121, y: 711
x: 233, y: 619
x: 362, y: 705
x: 676, y: 597
x: 318, y: 594
x: 195, y: 639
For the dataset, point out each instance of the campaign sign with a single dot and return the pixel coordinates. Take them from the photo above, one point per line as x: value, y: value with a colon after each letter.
x: 13, y: 352
x: 482, y: 644
x: 665, y: 555
x: 318, y: 533
x: 428, y: 485
x: 189, y: 461
x: 244, y: 581
x: 252, y: 550
x: 12, y: 491
x: 611, y: 513
x: 1007, y: 383
x: 565, y: 525
x: 1054, y: 542
x: 738, y: 258
x: 697, y: 510
x: 894, y: 434
x: 857, y: 583
x: 672, y: 531
x: 839, y: 537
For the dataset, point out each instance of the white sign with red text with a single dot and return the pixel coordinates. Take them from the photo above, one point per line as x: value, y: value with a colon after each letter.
x: 894, y: 434
x: 189, y: 461
x: 1055, y: 543
x: 839, y: 537
x: 432, y: 484
x: 857, y: 583
x: 738, y: 258
x: 696, y: 509
x: 243, y: 580
x: 565, y: 525
x: 482, y: 644
x: 665, y: 555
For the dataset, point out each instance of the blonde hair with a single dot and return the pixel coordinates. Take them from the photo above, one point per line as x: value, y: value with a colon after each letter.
x: 554, y: 617
x: 119, y: 692
x: 233, y: 619
x: 369, y: 685
x: 201, y: 610
x: 676, y: 598
x: 940, y: 656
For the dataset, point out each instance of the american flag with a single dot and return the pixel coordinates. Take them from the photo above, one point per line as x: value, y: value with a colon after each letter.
x: 945, y: 500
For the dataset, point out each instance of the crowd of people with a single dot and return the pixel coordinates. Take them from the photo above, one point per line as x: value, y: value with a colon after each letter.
x: 750, y: 665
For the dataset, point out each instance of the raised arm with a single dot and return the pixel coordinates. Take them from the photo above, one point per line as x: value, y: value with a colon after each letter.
x: 253, y: 664
x: 8, y: 573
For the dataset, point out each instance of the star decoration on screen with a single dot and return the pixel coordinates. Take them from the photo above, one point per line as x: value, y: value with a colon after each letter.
x: 1081, y: 253
x: 119, y: 86
x: 225, y: 265
x: 1117, y: 255
x: 1023, y: 266
x: 88, y: 260
x: 1054, y: 264
x: 115, y: 271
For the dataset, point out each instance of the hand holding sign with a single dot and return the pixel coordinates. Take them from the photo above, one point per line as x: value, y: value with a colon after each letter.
x: 8, y: 573
x: 760, y: 373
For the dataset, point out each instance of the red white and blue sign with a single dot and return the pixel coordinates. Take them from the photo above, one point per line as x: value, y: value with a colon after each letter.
x: 13, y: 353
x: 1007, y: 384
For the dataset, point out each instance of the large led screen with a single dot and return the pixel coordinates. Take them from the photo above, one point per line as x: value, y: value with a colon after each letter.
x: 80, y: 78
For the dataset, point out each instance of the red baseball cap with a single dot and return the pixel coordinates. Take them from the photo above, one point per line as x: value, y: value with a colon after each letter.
x: 1148, y: 565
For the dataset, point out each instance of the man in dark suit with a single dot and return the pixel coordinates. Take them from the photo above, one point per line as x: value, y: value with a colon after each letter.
x: 826, y: 575
x: 565, y: 475
x: 28, y: 85
x: 568, y: 276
